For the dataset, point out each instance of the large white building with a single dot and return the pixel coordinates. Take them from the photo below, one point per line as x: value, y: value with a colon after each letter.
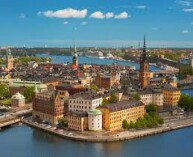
x: 83, y: 102
x: 152, y: 95
x: 95, y: 120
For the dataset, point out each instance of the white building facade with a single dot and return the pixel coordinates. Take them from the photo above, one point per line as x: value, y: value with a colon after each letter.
x: 83, y: 102
x: 95, y: 120
x: 156, y: 98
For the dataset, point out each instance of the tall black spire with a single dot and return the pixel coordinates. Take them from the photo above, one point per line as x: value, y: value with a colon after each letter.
x: 144, y: 50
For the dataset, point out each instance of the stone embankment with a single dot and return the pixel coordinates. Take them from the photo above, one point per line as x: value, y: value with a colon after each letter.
x: 114, y: 136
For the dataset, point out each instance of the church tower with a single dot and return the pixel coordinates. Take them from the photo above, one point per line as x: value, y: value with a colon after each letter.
x: 9, y: 61
x: 75, y: 58
x: 144, y: 75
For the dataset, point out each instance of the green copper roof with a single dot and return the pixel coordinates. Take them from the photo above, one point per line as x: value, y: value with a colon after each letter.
x: 94, y: 111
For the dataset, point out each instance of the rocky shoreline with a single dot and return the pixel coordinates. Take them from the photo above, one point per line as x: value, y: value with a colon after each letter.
x: 118, y: 136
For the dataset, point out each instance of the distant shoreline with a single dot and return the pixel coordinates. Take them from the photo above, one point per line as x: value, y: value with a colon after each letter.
x: 119, y: 136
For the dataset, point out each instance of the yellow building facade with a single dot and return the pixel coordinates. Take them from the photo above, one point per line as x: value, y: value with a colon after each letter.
x: 114, y: 114
x: 171, y: 96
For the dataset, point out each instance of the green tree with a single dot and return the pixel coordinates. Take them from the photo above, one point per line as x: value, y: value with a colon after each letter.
x: 113, y: 98
x: 136, y: 96
x: 105, y: 101
x: 4, y: 92
x: 125, y: 124
x: 2, y: 61
x: 62, y: 122
x: 131, y: 125
x: 94, y: 87
x: 151, y: 108
x: 186, y: 102
x: 28, y: 92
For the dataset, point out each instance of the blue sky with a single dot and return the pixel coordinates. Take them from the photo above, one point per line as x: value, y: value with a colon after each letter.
x: 117, y: 23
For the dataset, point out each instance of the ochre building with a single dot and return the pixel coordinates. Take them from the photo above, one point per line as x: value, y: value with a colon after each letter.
x: 114, y: 114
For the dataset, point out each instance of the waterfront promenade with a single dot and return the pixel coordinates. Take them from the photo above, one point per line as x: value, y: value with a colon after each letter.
x: 114, y: 136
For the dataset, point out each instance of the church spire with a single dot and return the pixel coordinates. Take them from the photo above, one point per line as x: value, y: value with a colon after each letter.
x: 75, y: 46
x: 144, y: 50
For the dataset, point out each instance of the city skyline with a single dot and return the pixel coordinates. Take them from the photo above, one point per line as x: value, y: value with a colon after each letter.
x: 98, y: 24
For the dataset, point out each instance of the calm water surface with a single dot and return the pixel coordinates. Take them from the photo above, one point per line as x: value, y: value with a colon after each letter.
x: 23, y: 141
x: 87, y: 60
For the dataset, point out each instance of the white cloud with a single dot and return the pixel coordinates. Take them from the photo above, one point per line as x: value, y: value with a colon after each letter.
x: 141, y: 7
x: 65, y: 22
x: 192, y: 23
x: 184, y: 3
x: 122, y: 15
x: 188, y: 10
x: 65, y: 13
x: 84, y: 23
x: 97, y: 15
x: 109, y: 15
x: 100, y: 15
x: 22, y: 16
x: 185, y: 31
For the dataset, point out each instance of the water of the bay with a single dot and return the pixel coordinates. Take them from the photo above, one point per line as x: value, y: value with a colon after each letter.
x: 89, y: 60
x: 23, y: 141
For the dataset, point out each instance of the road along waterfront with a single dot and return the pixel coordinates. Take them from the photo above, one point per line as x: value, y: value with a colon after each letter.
x: 179, y: 123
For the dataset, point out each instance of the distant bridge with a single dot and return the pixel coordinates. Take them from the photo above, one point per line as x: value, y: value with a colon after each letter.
x: 174, y: 71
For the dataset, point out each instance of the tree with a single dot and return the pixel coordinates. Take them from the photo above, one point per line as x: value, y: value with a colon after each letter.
x: 62, y: 122
x: 125, y: 124
x: 105, y: 101
x: 2, y: 61
x: 186, y: 102
x: 94, y: 87
x: 151, y: 108
x: 4, y: 92
x: 136, y: 96
x: 113, y: 98
x: 28, y: 92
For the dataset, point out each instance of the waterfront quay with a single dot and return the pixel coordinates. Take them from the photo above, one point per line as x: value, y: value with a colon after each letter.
x: 170, y: 125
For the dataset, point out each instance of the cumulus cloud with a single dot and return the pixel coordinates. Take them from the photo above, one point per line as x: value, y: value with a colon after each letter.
x: 122, y: 15
x: 84, y: 23
x: 141, y: 6
x: 22, y: 16
x: 97, y: 15
x: 188, y: 10
x: 65, y: 22
x: 185, y: 31
x: 65, y: 13
x: 109, y: 15
x: 184, y: 3
x: 100, y: 15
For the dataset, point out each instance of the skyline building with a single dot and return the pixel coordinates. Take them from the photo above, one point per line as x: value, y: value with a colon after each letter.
x: 144, y: 75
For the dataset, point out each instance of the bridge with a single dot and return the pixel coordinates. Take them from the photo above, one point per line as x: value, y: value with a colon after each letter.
x: 173, y: 71
x: 13, y: 118
x: 7, y: 121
